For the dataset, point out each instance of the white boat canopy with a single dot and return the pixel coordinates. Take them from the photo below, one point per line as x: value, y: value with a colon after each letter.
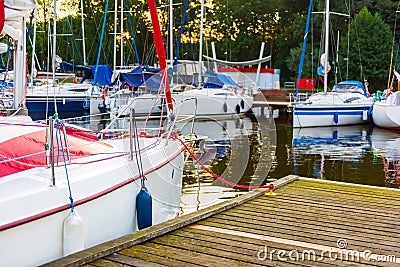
x: 242, y: 63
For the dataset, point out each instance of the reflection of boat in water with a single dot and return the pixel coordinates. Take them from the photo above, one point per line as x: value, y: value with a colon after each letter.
x: 341, y: 143
x: 386, y: 144
x: 214, y: 150
x: 218, y: 135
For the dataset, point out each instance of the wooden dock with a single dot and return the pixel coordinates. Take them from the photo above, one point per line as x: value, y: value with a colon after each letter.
x: 273, y: 104
x: 306, y: 222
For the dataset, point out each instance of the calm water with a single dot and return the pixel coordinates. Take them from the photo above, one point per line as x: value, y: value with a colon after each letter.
x: 257, y: 149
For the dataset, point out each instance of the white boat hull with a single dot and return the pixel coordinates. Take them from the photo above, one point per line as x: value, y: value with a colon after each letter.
x: 314, y: 116
x: 209, y: 102
x: 144, y: 105
x: 104, y: 192
x: 386, y: 116
x: 332, y: 109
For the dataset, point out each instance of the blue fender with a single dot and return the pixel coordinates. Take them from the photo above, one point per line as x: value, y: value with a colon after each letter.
x: 144, y: 209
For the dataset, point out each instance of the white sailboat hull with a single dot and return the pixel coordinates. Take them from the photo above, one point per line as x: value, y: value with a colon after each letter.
x: 104, y: 190
x: 386, y: 116
x: 211, y: 102
x: 329, y: 116
x: 332, y: 109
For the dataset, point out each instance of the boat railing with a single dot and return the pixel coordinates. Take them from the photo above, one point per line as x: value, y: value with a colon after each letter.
x: 299, y: 98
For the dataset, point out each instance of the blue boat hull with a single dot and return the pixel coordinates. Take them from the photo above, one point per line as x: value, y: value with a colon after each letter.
x: 66, y: 107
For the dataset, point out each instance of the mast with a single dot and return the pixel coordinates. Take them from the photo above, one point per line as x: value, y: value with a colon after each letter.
x: 326, y: 46
x: 53, y: 62
x: 171, y: 27
x: 122, y: 34
x: 201, y: 39
x: 303, y: 50
x: 159, y: 44
x: 115, y: 35
x: 83, y: 35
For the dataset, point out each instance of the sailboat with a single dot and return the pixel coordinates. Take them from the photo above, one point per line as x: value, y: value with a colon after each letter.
x: 63, y: 188
x: 386, y: 112
x: 48, y: 93
x: 218, y: 95
x: 348, y: 102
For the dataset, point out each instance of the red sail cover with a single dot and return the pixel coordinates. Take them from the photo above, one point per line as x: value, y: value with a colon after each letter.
x: 25, y: 148
x: 158, y: 42
x: 1, y: 15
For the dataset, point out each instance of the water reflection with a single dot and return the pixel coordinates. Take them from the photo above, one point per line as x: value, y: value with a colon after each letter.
x: 386, y: 149
x: 345, y: 143
x: 238, y: 149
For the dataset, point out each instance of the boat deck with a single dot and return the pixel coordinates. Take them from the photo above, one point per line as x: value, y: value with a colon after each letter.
x: 305, y: 222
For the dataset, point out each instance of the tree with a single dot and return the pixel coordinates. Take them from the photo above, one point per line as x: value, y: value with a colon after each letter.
x: 369, y: 49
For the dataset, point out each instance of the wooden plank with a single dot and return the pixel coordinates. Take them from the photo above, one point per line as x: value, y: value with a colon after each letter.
x: 318, y: 207
x: 219, y: 251
x: 247, y: 242
x: 154, y: 255
x: 362, y: 227
x: 293, y: 207
x: 115, y: 245
x: 240, y: 251
x: 330, y: 233
x: 345, y: 197
x: 364, y: 256
x: 320, y: 238
x: 106, y: 263
x: 132, y: 261
x: 183, y: 255
x: 317, y: 251
x: 382, y: 192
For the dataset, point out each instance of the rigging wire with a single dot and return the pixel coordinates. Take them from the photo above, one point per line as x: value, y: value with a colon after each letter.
x: 59, y: 140
x: 348, y: 39
x: 358, y: 46
x: 394, y: 38
x: 132, y: 32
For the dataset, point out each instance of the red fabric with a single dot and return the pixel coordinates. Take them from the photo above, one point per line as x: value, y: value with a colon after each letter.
x: 86, y: 135
x: 1, y: 15
x: 28, y: 151
x: 162, y: 58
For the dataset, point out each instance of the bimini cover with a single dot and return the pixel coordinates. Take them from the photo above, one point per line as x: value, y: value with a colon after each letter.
x: 22, y: 146
x: 219, y: 80
x: 104, y: 72
x: 350, y: 87
x: 394, y: 99
x: 142, y: 76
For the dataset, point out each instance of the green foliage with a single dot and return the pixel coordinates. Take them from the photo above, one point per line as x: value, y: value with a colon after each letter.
x: 369, y: 49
